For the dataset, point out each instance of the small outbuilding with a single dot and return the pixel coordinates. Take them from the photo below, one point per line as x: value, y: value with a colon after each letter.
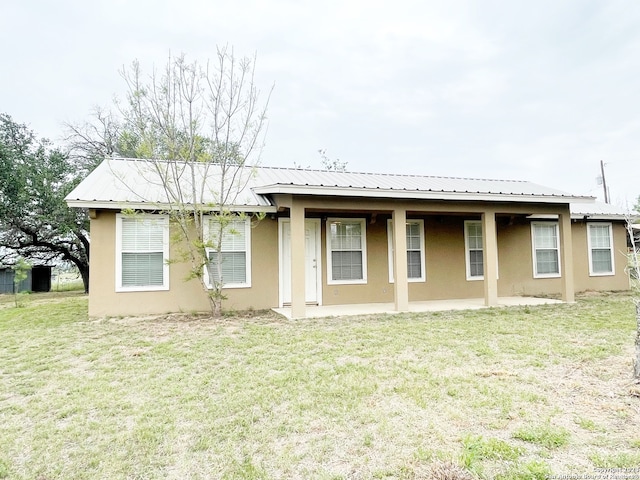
x: 38, y: 280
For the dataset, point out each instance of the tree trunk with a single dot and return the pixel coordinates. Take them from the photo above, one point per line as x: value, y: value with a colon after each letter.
x: 636, y: 363
x: 83, y: 268
x: 215, y: 302
x: 216, y: 307
x: 84, y: 273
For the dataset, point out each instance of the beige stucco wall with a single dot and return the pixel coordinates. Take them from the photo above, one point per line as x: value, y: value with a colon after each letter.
x: 619, y: 281
x: 377, y: 288
x: 182, y: 295
x: 444, y: 265
x: 516, y: 263
x: 445, y: 268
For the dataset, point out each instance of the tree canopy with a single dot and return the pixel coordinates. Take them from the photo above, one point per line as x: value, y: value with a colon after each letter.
x: 35, y: 222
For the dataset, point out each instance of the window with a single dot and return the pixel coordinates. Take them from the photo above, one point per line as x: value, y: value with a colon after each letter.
x: 546, y: 255
x: 415, y: 250
x: 473, y: 250
x: 600, y: 249
x: 233, y: 261
x: 142, y: 251
x: 346, y: 251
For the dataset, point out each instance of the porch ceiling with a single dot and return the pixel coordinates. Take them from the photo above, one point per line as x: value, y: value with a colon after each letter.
x: 415, y: 307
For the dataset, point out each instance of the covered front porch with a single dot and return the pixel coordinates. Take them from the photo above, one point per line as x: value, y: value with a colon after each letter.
x: 447, y: 274
x: 413, y: 307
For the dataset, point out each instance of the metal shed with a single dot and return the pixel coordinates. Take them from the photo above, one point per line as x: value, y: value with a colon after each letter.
x: 38, y: 280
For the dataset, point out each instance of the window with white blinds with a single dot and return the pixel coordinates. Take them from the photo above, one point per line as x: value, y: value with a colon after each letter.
x: 600, y: 249
x: 474, y: 250
x: 415, y: 250
x: 346, y: 251
x: 546, y: 249
x: 230, y: 266
x: 142, y: 251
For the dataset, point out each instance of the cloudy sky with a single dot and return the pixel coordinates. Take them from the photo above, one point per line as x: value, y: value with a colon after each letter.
x: 538, y: 91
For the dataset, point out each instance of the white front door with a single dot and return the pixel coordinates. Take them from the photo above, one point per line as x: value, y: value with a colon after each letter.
x: 311, y: 257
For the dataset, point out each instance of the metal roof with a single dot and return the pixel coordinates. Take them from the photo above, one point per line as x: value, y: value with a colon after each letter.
x: 599, y: 210
x: 272, y: 177
x: 120, y: 183
x: 133, y: 183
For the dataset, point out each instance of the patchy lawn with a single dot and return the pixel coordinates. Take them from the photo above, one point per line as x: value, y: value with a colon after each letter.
x: 520, y: 392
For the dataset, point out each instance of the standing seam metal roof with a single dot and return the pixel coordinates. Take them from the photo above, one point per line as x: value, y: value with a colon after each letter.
x: 120, y: 181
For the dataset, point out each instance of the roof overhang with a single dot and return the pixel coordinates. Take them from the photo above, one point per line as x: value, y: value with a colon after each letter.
x: 578, y: 216
x: 322, y: 190
x: 598, y: 216
x: 107, y: 205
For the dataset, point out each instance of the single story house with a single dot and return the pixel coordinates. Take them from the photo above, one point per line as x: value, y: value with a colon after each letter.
x: 338, y: 238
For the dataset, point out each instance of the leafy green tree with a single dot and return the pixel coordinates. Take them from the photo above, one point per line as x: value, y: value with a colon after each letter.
x: 637, y: 205
x: 35, y: 222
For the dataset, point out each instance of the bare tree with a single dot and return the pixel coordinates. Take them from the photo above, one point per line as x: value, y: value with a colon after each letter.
x: 634, y: 278
x: 200, y: 129
x: 89, y: 143
x: 335, y: 165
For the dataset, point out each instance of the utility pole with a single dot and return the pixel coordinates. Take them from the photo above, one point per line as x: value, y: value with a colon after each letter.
x: 604, y: 183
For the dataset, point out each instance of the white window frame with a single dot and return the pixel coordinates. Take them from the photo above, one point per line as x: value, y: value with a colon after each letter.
x: 363, y: 243
x: 247, y: 250
x: 467, y: 251
x: 420, y: 223
x: 162, y: 219
x: 590, y: 249
x: 534, y: 250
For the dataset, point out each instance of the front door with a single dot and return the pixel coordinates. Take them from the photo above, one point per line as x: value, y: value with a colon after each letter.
x: 312, y: 261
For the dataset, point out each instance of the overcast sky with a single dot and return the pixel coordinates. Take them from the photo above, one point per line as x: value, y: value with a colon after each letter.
x: 539, y: 91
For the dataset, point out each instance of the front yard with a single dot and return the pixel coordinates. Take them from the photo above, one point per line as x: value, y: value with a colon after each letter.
x: 521, y: 392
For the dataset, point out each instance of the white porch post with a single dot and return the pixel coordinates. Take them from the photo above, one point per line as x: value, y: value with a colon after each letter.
x: 490, y: 248
x: 298, y: 303
x: 401, y: 284
x: 566, y: 249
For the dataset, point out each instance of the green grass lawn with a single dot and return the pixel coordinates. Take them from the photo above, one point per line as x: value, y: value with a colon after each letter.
x: 505, y: 393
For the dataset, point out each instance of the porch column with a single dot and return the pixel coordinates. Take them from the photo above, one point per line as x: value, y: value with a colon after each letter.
x: 490, y: 248
x: 298, y: 303
x: 401, y: 284
x: 566, y: 249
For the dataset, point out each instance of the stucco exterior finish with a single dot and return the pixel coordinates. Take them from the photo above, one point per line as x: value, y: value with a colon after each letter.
x: 503, y: 208
x: 182, y: 296
x: 444, y: 261
x: 446, y: 269
x: 619, y: 281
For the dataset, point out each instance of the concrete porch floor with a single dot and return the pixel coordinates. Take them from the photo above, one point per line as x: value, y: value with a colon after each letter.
x: 430, y: 306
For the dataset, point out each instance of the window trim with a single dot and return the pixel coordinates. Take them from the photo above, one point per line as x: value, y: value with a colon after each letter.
x: 590, y: 249
x: 534, y: 250
x: 363, y: 243
x: 423, y: 276
x: 164, y: 220
x: 247, y: 246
